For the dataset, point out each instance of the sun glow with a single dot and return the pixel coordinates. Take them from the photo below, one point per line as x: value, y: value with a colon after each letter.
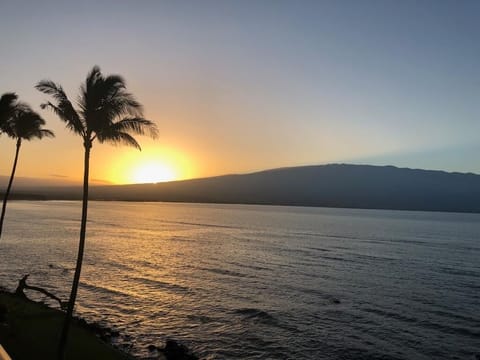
x: 151, y: 165
x: 153, y: 172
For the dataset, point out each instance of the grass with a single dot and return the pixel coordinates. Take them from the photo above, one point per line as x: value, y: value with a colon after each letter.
x: 31, y: 331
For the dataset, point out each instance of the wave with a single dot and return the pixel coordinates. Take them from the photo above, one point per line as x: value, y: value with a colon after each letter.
x: 226, y: 272
x: 200, y: 318
x: 318, y: 293
x: 161, y: 284
x: 202, y: 224
x: 444, y: 328
x: 451, y: 330
x: 391, y: 315
x: 252, y: 313
x: 248, y: 266
x: 451, y: 315
x: 459, y: 272
x: 317, y: 249
x: 103, y: 289
x: 336, y: 258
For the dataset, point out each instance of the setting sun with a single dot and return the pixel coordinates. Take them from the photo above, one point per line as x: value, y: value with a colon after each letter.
x: 151, y: 165
x: 152, y: 173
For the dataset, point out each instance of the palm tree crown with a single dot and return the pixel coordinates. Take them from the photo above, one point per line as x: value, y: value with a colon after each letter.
x: 107, y: 112
x: 8, y: 102
x: 26, y: 124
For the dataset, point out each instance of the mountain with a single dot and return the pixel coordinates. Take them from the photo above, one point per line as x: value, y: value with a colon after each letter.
x: 54, y: 181
x: 335, y: 185
x: 28, y: 182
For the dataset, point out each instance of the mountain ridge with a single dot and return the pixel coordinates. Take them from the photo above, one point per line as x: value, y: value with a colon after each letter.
x: 332, y: 185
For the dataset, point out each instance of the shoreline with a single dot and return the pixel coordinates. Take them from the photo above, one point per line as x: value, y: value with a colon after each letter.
x: 29, y: 329
x: 281, y: 205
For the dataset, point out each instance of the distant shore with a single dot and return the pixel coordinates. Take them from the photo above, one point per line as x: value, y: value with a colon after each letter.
x: 333, y: 186
x: 22, y: 197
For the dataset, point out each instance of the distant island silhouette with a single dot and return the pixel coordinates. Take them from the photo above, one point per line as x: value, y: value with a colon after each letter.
x: 334, y: 185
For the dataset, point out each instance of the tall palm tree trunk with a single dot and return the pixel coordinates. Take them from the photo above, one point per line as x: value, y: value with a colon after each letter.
x: 78, y: 268
x: 10, y: 182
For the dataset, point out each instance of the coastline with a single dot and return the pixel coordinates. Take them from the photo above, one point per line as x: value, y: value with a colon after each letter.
x: 29, y: 329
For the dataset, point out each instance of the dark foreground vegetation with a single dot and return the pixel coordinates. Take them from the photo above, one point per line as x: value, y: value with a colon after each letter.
x: 30, y: 330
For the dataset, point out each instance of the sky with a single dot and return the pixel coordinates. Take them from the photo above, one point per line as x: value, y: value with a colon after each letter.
x: 241, y: 86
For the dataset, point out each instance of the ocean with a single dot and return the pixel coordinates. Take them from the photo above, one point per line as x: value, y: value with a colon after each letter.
x: 260, y: 282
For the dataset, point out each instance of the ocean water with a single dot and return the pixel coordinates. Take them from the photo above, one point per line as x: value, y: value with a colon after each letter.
x: 260, y: 282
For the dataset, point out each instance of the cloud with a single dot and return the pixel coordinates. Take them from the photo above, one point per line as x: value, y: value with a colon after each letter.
x: 100, y: 181
x: 58, y: 176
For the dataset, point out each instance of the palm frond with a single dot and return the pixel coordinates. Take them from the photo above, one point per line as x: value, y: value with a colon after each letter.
x: 116, y: 97
x: 7, y: 128
x: 20, y: 120
x: 71, y: 125
x: 113, y: 83
x: 27, y: 124
x: 64, y: 108
x: 104, y: 99
x: 139, y: 126
x: 119, y: 138
x: 40, y: 134
x: 122, y: 104
x: 88, y: 91
x: 50, y: 88
x: 8, y: 102
x: 93, y: 76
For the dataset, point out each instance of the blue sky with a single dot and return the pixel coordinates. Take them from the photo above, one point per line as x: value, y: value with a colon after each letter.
x: 237, y: 86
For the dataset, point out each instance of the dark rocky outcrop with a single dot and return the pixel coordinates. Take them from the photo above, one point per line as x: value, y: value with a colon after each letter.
x: 174, y: 350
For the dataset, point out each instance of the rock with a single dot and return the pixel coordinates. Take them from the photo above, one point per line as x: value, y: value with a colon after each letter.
x: 95, y: 327
x: 3, y: 313
x: 151, y: 347
x: 82, y: 322
x: 176, y: 351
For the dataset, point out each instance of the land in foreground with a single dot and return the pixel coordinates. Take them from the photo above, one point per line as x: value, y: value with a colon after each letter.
x: 29, y: 330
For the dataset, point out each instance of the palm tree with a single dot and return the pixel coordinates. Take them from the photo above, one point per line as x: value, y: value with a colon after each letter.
x: 107, y: 113
x: 23, y: 124
x: 8, y: 102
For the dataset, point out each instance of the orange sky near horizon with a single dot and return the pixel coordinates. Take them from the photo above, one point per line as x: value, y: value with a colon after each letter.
x: 200, y: 135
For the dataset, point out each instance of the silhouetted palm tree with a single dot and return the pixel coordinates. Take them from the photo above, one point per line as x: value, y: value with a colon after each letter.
x: 23, y: 124
x: 107, y: 113
x: 8, y: 102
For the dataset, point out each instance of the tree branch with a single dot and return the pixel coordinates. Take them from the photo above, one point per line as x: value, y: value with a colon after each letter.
x: 22, y: 285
